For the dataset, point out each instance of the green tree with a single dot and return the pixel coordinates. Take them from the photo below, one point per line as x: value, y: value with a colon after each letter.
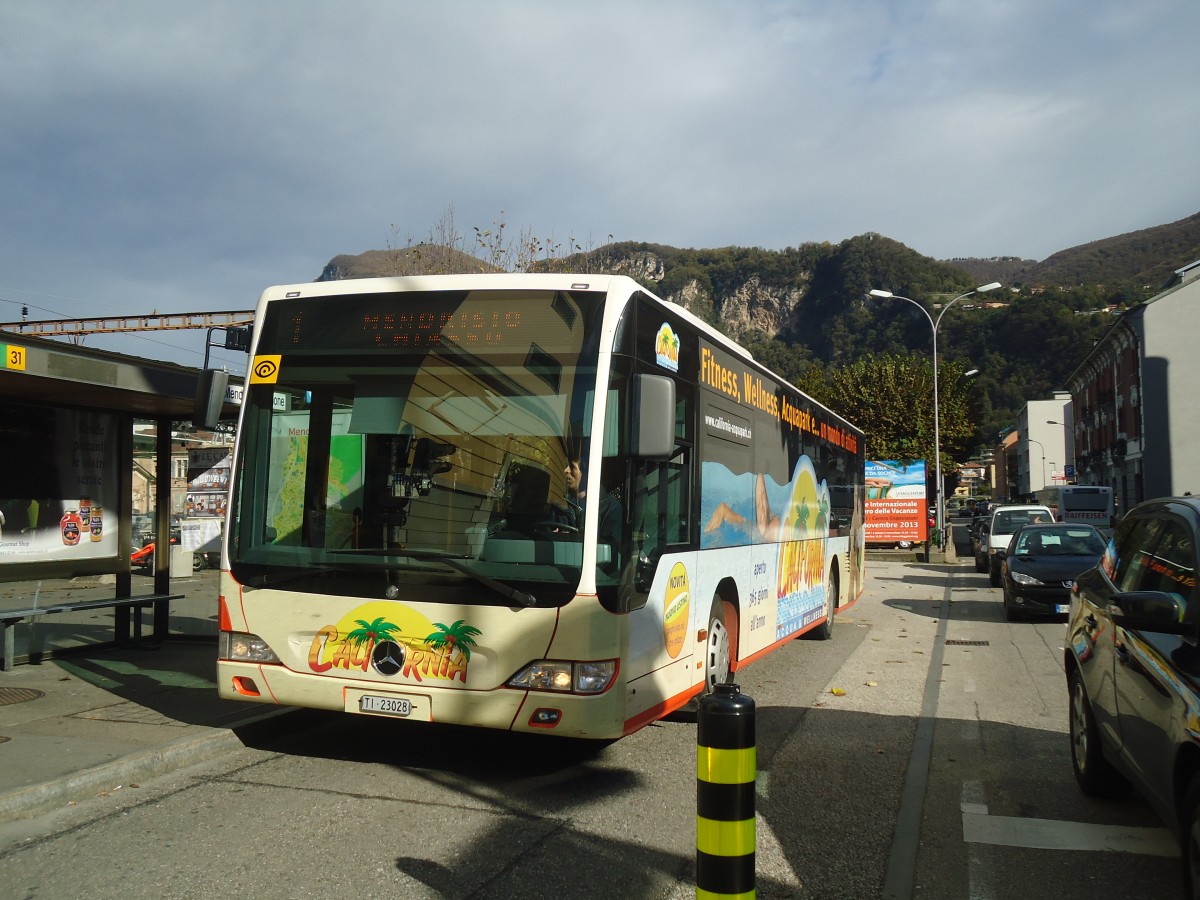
x: 890, y: 397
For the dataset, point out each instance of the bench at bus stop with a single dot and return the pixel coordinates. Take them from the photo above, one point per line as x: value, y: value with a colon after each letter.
x: 127, y: 627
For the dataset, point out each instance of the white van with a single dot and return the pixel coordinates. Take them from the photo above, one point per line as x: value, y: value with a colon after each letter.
x: 1003, y: 522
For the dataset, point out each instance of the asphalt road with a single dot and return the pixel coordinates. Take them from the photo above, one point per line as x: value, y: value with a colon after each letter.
x: 920, y: 753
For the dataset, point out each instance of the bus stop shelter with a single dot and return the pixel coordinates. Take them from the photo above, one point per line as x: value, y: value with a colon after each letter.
x: 67, y: 451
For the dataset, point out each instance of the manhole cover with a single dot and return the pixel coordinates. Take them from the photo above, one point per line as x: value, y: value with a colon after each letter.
x: 950, y: 643
x: 18, y: 695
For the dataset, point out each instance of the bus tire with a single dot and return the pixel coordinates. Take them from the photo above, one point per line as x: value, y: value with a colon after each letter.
x: 718, y: 652
x: 824, y: 631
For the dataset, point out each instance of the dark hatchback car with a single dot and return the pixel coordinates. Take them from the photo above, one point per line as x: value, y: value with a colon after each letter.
x: 1133, y: 669
x: 1041, y: 564
x: 979, y: 542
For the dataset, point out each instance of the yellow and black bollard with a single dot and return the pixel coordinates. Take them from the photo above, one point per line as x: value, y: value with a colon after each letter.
x: 726, y: 763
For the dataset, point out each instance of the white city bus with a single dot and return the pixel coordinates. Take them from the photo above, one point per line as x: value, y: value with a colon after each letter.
x: 402, y: 540
x: 1081, y: 504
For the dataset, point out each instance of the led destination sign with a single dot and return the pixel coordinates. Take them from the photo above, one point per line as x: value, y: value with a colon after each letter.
x: 509, y: 321
x: 423, y: 330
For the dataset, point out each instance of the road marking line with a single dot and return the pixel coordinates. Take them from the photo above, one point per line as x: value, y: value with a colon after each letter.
x: 973, y: 797
x: 1054, y: 834
x: 979, y: 873
x: 771, y: 862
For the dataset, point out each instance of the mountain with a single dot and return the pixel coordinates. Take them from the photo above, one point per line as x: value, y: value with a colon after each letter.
x: 805, y: 309
x: 418, y: 259
x: 1007, y: 270
x: 1148, y: 257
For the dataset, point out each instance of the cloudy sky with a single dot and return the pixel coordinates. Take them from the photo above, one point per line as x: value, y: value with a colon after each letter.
x: 175, y: 157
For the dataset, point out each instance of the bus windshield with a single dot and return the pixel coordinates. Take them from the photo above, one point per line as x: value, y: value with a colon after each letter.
x: 416, y: 442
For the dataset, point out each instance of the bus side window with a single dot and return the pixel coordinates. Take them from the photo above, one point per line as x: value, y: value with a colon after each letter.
x: 677, y: 487
x: 662, y: 498
x: 659, y: 501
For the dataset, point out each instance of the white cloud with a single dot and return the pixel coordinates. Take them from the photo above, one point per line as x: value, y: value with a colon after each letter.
x: 196, y: 153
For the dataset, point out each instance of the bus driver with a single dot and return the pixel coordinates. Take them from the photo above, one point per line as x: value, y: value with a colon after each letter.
x: 609, y: 527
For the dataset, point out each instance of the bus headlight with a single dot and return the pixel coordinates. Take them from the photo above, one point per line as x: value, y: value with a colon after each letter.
x: 245, y: 648
x: 564, y: 677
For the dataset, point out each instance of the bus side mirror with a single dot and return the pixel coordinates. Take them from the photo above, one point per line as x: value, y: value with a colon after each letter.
x: 210, y: 395
x: 652, y: 416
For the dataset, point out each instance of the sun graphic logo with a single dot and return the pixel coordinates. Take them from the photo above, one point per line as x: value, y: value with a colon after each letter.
x: 387, y: 658
x: 666, y: 348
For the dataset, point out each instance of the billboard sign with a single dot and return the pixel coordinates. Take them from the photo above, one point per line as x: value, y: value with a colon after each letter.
x: 896, y: 507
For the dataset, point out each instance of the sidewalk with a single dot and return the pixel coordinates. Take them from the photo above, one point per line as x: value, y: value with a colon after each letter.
x: 74, y: 727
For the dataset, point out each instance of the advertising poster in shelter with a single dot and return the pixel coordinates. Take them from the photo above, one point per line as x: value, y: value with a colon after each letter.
x: 208, y: 473
x: 208, y: 481
x: 59, y: 485
x: 896, y: 507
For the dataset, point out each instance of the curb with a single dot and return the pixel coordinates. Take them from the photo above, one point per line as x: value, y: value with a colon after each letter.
x: 36, y: 799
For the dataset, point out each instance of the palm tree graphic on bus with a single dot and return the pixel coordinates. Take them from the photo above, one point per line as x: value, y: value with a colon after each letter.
x: 371, y: 633
x: 458, y: 637
x: 387, y: 637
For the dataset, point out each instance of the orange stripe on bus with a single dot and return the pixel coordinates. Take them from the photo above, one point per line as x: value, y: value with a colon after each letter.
x: 263, y: 672
x: 658, y: 710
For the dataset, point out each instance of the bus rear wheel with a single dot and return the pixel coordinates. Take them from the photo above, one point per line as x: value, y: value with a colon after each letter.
x: 718, y: 667
x: 824, y: 631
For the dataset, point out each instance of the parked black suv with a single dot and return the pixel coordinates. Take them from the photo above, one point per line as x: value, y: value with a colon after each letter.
x: 1133, y: 669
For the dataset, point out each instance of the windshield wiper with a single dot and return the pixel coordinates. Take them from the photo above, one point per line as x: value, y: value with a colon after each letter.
x: 270, y: 580
x: 454, y: 561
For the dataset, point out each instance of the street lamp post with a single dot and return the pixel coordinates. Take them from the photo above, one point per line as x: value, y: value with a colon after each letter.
x: 1039, y: 443
x: 937, y: 436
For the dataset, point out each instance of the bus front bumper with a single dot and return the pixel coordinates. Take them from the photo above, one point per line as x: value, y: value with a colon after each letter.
x: 566, y: 715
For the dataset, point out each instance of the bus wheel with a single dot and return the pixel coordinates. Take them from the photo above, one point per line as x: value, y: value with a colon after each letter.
x: 717, y: 669
x: 824, y: 631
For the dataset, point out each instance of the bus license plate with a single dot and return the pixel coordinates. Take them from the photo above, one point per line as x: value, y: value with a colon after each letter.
x: 388, y: 706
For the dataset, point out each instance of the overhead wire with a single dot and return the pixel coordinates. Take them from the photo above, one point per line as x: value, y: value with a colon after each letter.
x: 232, y: 363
